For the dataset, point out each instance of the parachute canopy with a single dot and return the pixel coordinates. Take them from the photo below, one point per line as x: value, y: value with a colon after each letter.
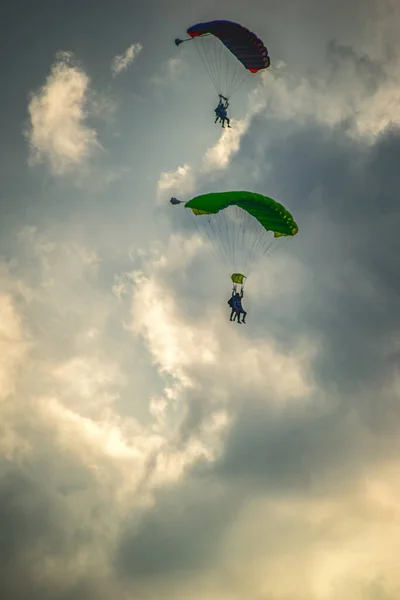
x: 270, y: 214
x: 225, y: 48
x: 241, y: 226
x: 239, y: 40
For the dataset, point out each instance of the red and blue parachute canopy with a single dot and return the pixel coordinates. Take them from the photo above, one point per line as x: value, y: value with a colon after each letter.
x: 239, y: 40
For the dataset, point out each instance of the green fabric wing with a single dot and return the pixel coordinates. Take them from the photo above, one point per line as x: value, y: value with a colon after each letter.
x: 269, y: 213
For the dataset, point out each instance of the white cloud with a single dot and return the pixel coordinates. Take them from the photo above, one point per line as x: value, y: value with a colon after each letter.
x: 89, y: 379
x: 218, y: 156
x: 170, y: 70
x: 13, y: 345
x: 341, y: 545
x: 75, y: 385
x: 122, y: 61
x: 332, y: 99
x: 180, y: 182
x: 108, y: 435
x: 173, y: 346
x: 60, y: 268
x: 58, y: 131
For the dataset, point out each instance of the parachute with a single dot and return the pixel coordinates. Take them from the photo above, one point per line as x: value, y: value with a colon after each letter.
x: 229, y: 52
x: 241, y: 226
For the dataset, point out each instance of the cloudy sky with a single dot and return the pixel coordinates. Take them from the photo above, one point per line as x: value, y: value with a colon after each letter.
x: 149, y: 448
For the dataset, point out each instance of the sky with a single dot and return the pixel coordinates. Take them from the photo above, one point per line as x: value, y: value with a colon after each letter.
x: 149, y: 448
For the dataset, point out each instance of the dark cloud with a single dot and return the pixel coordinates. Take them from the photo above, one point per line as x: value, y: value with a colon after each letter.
x: 24, y: 514
x: 298, y: 453
x: 342, y: 61
x: 38, y: 526
x: 29, y: 533
x: 180, y: 534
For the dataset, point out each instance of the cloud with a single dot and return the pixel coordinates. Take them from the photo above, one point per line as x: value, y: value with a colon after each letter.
x: 58, y: 111
x: 181, y: 181
x: 352, y: 88
x: 179, y: 534
x: 122, y: 61
x: 169, y: 72
x: 219, y: 155
x: 13, y: 345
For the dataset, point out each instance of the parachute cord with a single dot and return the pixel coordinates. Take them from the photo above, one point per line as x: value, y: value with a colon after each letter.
x: 226, y: 73
x: 237, y: 240
x: 205, y: 55
x: 206, y: 238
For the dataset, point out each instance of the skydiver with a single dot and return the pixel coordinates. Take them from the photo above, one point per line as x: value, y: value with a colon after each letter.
x: 235, y: 302
x: 224, y: 117
x: 220, y: 111
x: 231, y: 303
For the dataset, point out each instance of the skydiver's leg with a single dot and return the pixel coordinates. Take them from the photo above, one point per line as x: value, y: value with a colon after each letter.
x: 228, y: 121
x: 232, y: 313
x: 244, y: 316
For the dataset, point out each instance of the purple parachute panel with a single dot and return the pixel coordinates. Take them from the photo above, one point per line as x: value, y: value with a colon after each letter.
x: 239, y: 40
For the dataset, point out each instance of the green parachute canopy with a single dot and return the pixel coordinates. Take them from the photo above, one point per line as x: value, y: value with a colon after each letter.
x: 241, y: 226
